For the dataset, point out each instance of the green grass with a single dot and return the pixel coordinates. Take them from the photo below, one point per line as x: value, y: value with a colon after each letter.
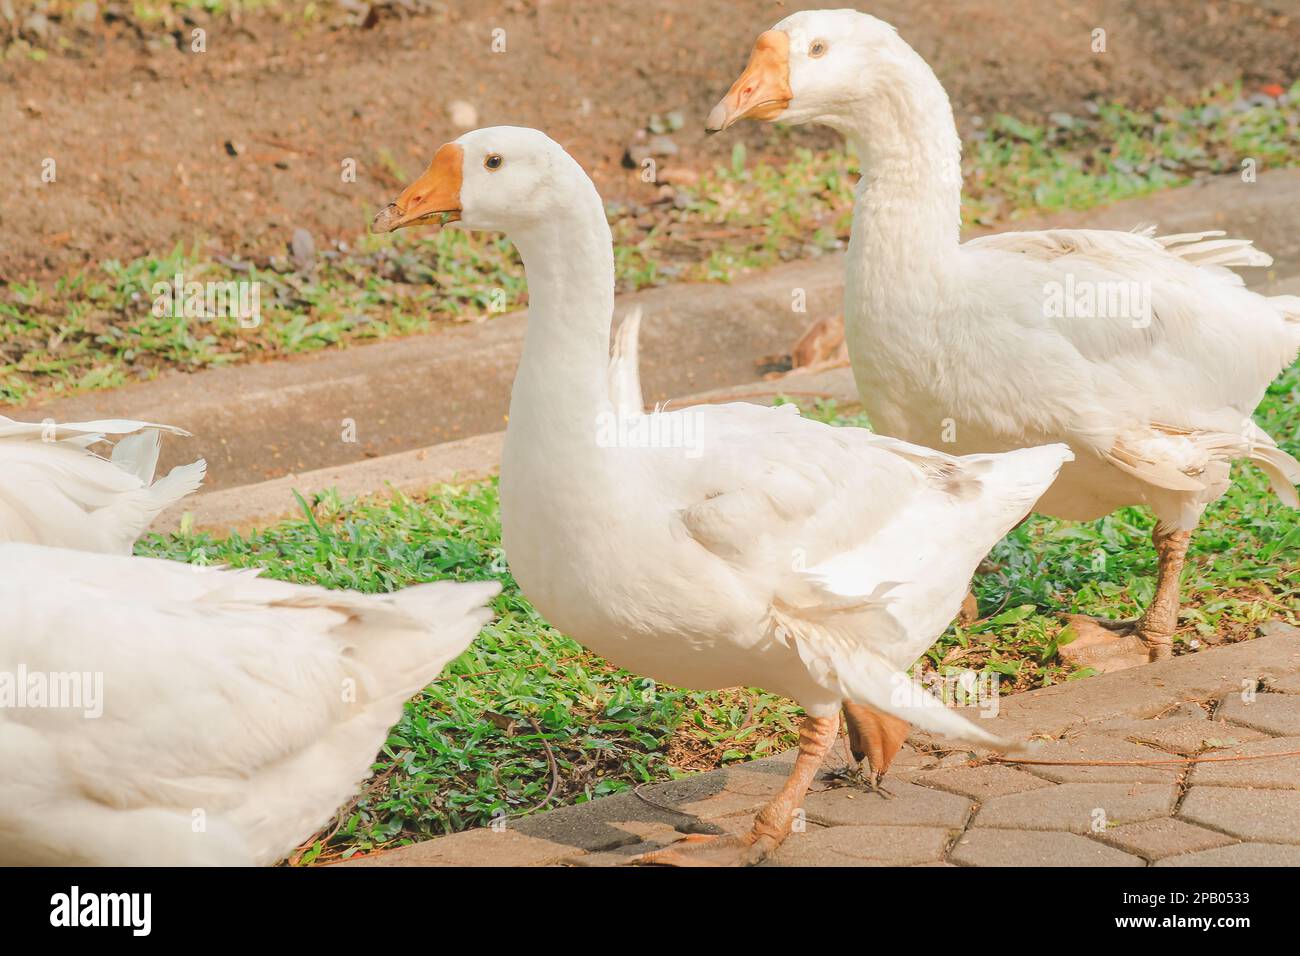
x: 474, y: 745
x: 96, y: 328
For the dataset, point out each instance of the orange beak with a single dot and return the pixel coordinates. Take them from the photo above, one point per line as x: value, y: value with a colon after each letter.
x: 436, y: 194
x: 763, y: 90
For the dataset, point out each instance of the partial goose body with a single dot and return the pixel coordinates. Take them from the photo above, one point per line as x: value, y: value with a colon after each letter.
x: 713, y: 546
x: 236, y: 713
x: 1145, y: 354
x: 786, y: 555
x: 55, y: 491
x: 1155, y: 413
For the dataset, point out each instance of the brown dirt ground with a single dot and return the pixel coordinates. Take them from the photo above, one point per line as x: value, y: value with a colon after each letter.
x: 139, y: 134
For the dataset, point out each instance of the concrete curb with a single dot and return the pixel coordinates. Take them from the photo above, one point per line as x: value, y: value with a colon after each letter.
x: 252, y: 506
x: 469, y: 459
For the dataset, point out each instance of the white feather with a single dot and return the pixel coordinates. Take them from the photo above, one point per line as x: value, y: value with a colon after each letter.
x: 625, y: 366
x: 54, y: 490
x: 253, y: 706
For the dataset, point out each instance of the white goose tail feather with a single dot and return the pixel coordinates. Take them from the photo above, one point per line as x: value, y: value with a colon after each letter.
x: 176, y: 484
x: 138, y: 454
x: 859, y: 674
x: 869, y: 679
x: 1283, y: 471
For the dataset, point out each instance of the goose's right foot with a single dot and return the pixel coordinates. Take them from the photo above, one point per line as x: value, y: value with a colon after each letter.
x: 874, y: 739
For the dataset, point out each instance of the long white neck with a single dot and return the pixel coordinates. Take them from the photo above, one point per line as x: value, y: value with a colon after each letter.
x: 909, y: 199
x: 561, y: 384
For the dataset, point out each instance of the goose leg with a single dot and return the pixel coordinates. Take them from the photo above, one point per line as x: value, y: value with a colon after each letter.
x: 774, y: 821
x: 970, y: 610
x: 875, y: 737
x: 1156, y: 627
x: 1113, y: 645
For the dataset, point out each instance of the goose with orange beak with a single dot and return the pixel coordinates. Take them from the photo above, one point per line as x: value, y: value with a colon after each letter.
x: 972, y: 344
x: 719, y: 545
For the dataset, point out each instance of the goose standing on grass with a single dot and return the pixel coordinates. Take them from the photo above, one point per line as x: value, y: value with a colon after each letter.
x: 54, y: 490
x: 719, y: 545
x: 1144, y: 353
x: 156, y: 713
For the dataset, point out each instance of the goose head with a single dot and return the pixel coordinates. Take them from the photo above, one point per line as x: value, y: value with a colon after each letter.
x: 818, y: 66
x: 501, y: 178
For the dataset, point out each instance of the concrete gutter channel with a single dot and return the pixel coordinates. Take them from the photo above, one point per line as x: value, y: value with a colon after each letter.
x: 429, y: 409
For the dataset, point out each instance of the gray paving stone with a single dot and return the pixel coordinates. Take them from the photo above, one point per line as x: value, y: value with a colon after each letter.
x: 1100, y: 747
x: 652, y: 838
x: 1190, y: 709
x: 746, y: 788
x: 483, y: 847
x: 1277, y: 714
x: 1239, y: 854
x: 1157, y: 839
x: 981, y: 783
x: 909, y: 762
x: 1260, y: 816
x: 743, y: 790
x: 990, y: 847
x: 863, y: 846
x: 1281, y: 773
x: 1078, y: 807
x: 603, y: 824
x: 1285, y: 685
x: 607, y: 858
x: 910, y: 805
x: 1180, y: 735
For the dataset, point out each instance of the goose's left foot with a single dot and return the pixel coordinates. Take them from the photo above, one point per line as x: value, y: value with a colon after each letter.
x: 877, y: 786
x: 868, y: 780
x: 773, y: 823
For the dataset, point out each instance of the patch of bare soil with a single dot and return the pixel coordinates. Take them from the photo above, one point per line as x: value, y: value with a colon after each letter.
x: 238, y: 145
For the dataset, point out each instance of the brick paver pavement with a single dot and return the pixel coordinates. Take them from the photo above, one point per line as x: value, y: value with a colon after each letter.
x: 950, y: 807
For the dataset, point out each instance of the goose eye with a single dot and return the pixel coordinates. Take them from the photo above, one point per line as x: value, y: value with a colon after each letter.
x: 817, y: 48
x: 493, y: 161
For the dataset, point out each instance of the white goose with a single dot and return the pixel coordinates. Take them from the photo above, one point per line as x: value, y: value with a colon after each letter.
x: 714, y: 546
x: 1027, y: 337
x: 207, y: 716
x: 54, y: 490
